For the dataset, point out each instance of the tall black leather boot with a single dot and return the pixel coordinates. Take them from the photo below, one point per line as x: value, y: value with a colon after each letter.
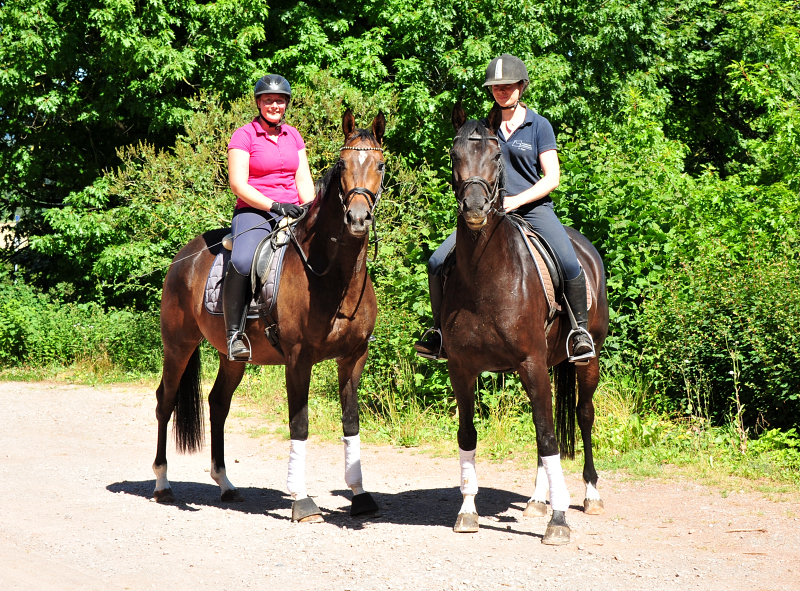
x: 234, y: 300
x: 582, y: 346
x: 430, y: 345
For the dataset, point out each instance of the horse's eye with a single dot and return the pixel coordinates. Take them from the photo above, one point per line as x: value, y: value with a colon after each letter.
x: 381, y: 166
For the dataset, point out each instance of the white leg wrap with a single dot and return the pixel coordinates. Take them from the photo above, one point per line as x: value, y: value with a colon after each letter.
x: 559, y: 495
x: 296, y: 481
x: 542, y: 485
x: 468, y: 506
x: 469, y: 477
x: 221, y: 479
x: 591, y: 493
x: 352, y: 463
x: 161, y: 477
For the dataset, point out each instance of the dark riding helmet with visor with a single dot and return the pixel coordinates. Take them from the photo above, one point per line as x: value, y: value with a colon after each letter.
x: 272, y: 84
x: 506, y: 69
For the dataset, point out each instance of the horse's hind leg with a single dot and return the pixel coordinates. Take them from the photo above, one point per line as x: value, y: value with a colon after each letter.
x: 179, y: 379
x: 219, y: 404
x: 350, y: 369
x: 588, y: 378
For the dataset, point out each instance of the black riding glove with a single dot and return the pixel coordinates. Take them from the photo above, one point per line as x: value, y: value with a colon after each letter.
x: 290, y: 209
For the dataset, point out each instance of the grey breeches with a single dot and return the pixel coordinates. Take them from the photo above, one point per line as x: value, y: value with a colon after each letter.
x: 249, y: 226
x: 544, y: 220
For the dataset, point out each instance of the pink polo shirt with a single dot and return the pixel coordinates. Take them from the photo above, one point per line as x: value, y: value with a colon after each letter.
x: 272, y: 166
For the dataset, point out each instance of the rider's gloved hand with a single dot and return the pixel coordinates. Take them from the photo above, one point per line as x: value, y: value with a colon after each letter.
x: 290, y: 209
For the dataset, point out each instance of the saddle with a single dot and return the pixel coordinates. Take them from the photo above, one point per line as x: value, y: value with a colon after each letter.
x: 265, y: 279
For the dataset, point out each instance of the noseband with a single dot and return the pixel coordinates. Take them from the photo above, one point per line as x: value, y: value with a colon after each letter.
x: 493, y: 192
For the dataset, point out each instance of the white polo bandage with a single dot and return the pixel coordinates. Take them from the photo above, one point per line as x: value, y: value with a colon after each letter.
x: 469, y: 477
x: 541, y: 488
x: 296, y: 481
x: 559, y: 495
x: 352, y: 463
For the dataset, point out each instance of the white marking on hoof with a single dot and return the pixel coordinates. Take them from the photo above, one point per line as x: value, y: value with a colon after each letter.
x: 220, y: 478
x: 357, y: 489
x: 591, y: 493
x: 161, y: 477
x: 540, y: 488
x: 468, y: 506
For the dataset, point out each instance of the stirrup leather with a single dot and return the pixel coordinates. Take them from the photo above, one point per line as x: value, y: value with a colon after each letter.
x: 240, y: 335
x: 441, y: 344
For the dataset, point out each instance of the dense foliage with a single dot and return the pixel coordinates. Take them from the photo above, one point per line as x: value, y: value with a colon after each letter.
x: 678, y: 122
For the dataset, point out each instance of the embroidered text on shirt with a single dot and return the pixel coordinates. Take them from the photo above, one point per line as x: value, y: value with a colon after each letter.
x: 521, y: 145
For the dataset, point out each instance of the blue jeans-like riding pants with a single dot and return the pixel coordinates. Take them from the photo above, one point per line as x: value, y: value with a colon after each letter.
x: 249, y: 226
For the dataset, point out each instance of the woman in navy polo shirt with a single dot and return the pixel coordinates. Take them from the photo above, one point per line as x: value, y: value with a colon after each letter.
x: 530, y: 154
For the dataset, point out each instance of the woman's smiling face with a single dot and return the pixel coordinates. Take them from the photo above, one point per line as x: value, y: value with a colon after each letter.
x: 507, y: 95
x: 272, y: 106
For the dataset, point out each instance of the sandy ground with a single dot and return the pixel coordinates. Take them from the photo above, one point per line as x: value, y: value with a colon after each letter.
x: 76, y: 514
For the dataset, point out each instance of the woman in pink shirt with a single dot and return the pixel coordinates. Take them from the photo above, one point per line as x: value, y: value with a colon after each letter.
x: 269, y: 174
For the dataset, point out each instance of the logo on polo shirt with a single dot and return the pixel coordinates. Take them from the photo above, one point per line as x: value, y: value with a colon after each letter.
x: 520, y: 145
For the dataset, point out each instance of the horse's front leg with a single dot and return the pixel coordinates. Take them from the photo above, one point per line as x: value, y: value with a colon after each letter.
x: 298, y: 378
x: 534, y: 376
x: 588, y: 378
x: 229, y: 376
x: 463, y: 381
x: 350, y: 369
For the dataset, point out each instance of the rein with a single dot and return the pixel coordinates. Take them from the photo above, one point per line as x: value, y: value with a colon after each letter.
x: 345, y: 199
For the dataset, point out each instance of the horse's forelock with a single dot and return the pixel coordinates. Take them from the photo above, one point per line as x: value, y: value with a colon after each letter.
x: 472, y: 129
x: 363, y: 134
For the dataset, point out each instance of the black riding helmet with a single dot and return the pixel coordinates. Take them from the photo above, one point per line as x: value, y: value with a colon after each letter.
x: 273, y: 84
x: 506, y: 69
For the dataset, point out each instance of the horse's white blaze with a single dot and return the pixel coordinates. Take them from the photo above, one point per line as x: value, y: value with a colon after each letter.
x: 541, y: 487
x: 296, y: 479
x: 559, y: 495
x: 220, y: 477
x: 161, y: 477
x: 352, y: 464
x: 469, y: 477
x: 468, y: 506
x: 591, y: 493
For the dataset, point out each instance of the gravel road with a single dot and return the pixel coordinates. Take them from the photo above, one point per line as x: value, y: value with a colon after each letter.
x: 76, y: 514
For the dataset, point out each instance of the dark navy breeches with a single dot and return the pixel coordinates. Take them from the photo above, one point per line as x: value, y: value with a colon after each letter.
x: 544, y: 220
x: 249, y: 226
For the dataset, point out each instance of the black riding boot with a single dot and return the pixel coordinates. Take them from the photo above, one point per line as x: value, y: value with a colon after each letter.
x: 234, y: 302
x: 581, y: 344
x: 430, y: 345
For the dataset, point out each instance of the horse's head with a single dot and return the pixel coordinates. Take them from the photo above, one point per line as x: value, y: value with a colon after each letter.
x: 477, y: 167
x: 361, y: 170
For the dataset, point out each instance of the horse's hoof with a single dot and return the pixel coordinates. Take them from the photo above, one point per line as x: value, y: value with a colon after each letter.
x: 232, y: 496
x: 363, y: 504
x: 556, y: 535
x: 593, y: 506
x: 466, y: 523
x: 163, y: 496
x: 535, y: 509
x: 306, y: 511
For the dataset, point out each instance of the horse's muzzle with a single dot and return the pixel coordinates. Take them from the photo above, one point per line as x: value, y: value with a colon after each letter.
x: 358, y: 223
x: 475, y: 219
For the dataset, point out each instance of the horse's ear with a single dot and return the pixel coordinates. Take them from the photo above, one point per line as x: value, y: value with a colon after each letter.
x: 348, y: 123
x: 495, y: 118
x: 379, y: 127
x: 458, y: 117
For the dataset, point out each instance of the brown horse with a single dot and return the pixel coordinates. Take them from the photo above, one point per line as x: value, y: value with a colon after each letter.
x: 493, y: 319
x: 326, y: 309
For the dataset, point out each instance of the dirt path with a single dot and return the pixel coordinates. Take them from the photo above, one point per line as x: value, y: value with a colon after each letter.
x: 75, y: 514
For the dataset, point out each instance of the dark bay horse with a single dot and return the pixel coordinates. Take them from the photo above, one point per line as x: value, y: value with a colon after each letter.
x: 326, y: 309
x: 493, y: 319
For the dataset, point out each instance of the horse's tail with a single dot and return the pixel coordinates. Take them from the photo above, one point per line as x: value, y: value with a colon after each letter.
x: 188, y: 425
x: 564, y: 380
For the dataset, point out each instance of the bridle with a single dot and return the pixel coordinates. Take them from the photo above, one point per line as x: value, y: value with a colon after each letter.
x: 493, y: 192
x: 345, y: 198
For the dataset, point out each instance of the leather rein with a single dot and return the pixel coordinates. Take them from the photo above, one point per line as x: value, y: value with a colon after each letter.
x: 345, y: 198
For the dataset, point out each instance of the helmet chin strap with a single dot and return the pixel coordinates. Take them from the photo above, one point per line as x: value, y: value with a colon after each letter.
x: 514, y: 106
x: 269, y: 123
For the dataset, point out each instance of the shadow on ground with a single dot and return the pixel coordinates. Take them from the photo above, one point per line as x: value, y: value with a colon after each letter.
x: 433, y: 506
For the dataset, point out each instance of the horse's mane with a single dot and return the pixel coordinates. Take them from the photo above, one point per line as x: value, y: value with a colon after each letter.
x: 475, y: 128
x: 321, y: 186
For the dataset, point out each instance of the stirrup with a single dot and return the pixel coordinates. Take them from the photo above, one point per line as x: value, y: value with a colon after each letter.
x: 438, y: 355
x: 585, y: 357
x: 243, y: 336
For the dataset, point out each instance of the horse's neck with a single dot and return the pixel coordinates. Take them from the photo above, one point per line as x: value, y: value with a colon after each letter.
x: 477, y: 251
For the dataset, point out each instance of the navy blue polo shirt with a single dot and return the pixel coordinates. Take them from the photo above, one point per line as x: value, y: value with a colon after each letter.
x: 521, y: 154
